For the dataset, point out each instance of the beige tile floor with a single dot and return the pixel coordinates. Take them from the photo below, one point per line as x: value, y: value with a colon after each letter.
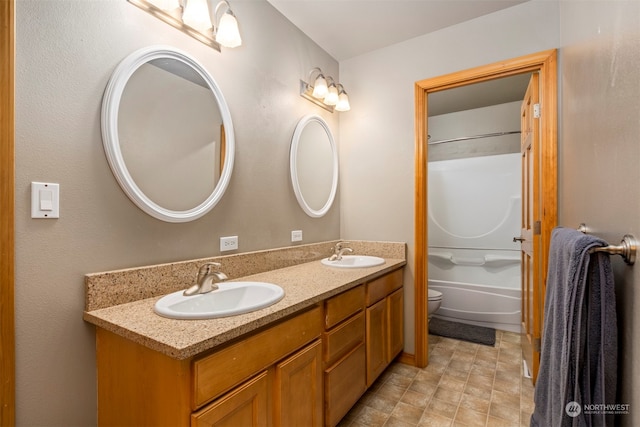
x: 465, y: 384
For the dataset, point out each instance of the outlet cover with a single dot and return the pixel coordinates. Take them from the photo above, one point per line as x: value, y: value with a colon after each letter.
x: 296, y: 236
x: 228, y: 243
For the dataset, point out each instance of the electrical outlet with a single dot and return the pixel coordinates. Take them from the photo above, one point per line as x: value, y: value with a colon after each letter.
x: 296, y: 236
x: 228, y: 243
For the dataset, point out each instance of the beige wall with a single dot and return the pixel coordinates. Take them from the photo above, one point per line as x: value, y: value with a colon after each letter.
x: 600, y: 152
x: 66, y: 51
x: 377, y: 136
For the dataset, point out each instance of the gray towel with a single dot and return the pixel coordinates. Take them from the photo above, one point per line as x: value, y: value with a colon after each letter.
x: 578, y: 361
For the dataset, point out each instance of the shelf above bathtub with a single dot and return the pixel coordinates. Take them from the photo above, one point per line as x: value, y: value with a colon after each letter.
x: 488, y: 260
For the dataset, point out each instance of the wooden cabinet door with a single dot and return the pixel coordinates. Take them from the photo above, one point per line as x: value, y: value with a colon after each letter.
x: 376, y: 340
x: 395, y: 323
x: 298, y: 389
x: 345, y: 383
x: 247, y: 405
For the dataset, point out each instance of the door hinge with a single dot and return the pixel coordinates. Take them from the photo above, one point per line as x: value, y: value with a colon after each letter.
x: 537, y: 228
x: 536, y: 111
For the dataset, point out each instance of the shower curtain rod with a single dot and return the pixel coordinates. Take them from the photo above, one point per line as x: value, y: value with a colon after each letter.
x: 464, y: 138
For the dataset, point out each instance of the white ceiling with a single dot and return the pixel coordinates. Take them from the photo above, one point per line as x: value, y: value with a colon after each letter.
x: 348, y: 28
x: 492, y: 92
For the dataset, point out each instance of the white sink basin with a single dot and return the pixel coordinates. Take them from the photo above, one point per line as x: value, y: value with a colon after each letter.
x: 230, y: 299
x: 354, y: 261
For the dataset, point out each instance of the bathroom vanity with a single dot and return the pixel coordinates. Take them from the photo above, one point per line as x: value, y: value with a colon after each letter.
x: 306, y: 360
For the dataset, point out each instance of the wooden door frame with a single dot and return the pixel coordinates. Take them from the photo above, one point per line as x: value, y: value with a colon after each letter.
x: 542, y: 62
x: 7, y: 207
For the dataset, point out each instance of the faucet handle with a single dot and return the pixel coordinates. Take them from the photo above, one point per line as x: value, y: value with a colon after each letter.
x: 208, y: 268
x: 340, y: 245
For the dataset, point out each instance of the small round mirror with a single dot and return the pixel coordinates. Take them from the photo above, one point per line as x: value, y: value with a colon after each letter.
x: 314, y: 165
x: 167, y: 134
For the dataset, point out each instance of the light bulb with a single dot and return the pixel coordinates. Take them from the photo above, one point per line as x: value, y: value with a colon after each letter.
x: 196, y: 15
x: 343, y: 102
x: 320, y: 87
x: 332, y: 95
x: 228, y: 34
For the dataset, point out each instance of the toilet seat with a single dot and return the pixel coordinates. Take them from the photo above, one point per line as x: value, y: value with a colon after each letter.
x: 434, y: 295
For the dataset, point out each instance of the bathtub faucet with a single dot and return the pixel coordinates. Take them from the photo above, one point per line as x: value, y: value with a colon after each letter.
x: 339, y: 250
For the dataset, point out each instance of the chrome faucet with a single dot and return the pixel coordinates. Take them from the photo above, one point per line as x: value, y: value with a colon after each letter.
x: 206, y: 280
x: 339, y: 250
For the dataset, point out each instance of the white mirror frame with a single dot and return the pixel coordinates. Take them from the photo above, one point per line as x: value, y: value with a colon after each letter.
x: 293, y: 166
x: 111, y: 142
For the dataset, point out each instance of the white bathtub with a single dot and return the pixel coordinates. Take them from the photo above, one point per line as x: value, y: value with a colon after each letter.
x: 480, y: 287
x: 482, y: 305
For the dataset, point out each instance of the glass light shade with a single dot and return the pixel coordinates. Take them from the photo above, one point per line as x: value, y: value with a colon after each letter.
x: 320, y: 87
x: 343, y: 102
x: 196, y: 15
x: 166, y: 4
x: 228, y: 34
x: 332, y: 95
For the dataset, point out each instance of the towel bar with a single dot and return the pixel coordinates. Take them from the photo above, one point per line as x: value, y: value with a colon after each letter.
x: 627, y: 248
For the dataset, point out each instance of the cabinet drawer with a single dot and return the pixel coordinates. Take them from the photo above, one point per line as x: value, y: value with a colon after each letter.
x: 383, y: 286
x: 245, y: 406
x: 342, y: 306
x: 222, y: 370
x: 344, y: 384
x: 343, y: 338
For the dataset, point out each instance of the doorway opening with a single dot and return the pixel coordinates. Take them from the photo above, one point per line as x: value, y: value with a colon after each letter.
x: 475, y: 204
x: 544, y: 64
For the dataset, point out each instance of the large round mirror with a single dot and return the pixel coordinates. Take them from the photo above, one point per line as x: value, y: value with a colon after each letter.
x: 314, y: 165
x: 167, y: 134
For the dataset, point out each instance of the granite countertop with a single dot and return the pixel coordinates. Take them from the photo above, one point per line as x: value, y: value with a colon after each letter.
x: 304, y: 285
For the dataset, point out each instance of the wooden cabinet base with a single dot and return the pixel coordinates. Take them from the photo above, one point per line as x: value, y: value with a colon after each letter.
x: 307, y: 370
x: 138, y: 386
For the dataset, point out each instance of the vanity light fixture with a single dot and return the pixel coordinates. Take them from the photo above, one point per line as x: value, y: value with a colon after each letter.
x: 343, y: 99
x: 166, y: 4
x: 331, y: 98
x: 195, y: 18
x: 320, y: 85
x: 324, y: 92
x: 227, y: 32
x: 196, y: 15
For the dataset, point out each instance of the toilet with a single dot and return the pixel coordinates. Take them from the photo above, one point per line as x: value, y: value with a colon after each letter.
x: 435, y: 299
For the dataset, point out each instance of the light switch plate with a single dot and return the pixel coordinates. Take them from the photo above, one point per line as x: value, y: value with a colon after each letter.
x: 45, y: 200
